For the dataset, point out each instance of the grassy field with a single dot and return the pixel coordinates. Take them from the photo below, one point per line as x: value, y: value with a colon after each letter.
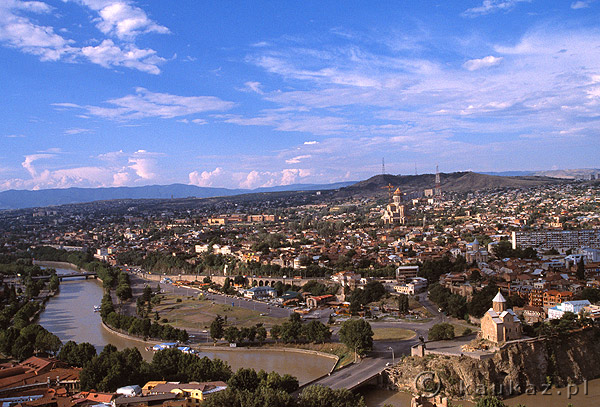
x: 459, y: 329
x: 382, y: 334
x: 194, y: 313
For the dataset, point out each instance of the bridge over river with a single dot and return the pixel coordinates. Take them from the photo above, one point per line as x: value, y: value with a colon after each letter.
x: 61, y: 277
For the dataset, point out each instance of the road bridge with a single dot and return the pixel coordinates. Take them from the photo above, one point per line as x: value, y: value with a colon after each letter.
x: 61, y: 277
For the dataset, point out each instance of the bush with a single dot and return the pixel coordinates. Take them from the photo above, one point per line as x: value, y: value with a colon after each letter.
x: 467, y: 331
x: 443, y: 331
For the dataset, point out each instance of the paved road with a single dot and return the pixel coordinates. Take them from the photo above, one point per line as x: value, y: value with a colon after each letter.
x: 352, y: 376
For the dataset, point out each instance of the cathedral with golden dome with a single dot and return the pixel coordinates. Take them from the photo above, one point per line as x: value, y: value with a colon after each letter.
x: 394, y: 211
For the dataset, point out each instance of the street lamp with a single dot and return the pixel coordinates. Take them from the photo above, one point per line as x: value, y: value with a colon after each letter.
x: 393, y: 359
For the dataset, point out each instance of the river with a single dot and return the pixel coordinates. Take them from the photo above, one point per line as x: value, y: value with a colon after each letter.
x: 70, y: 315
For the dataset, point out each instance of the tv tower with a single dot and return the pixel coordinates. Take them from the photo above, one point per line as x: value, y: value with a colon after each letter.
x: 438, y: 183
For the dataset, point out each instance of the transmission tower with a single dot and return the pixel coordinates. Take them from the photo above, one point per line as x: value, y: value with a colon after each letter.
x: 438, y: 183
x: 383, y: 166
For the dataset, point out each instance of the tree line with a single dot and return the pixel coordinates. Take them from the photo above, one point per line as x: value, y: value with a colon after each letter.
x: 136, y: 326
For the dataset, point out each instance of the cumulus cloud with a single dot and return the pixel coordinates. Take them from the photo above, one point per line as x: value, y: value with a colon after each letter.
x: 116, y: 18
x: 205, y: 178
x: 475, y: 64
x: 122, y: 19
x: 19, y: 31
x: 108, y: 54
x: 252, y: 179
x: 144, y: 164
x: 492, y: 6
x: 145, y: 103
x: 115, y: 168
x: 30, y: 159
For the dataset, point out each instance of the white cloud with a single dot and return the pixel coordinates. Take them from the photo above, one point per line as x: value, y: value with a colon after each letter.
x: 205, y: 178
x: 297, y: 159
x: 581, y: 4
x: 309, y: 143
x: 254, y: 87
x: 475, y: 64
x: 119, y: 19
x: 18, y: 31
x: 144, y: 164
x: 145, y: 104
x: 289, y: 121
x: 116, y: 168
x: 77, y: 131
x: 30, y: 159
x: 107, y: 54
x: 492, y: 6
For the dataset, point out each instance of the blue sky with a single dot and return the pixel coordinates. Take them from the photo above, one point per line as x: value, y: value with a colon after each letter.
x: 260, y: 93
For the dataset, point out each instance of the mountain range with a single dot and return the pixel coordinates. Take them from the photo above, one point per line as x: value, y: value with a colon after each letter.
x: 18, y: 199
x: 450, y: 182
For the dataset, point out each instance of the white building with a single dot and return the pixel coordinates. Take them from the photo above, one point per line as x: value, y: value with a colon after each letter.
x: 260, y: 292
x: 405, y: 273
x: 559, y: 310
x: 202, y: 248
x: 346, y: 278
x: 416, y: 285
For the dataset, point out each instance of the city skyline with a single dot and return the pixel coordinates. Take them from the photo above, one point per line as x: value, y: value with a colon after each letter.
x: 126, y: 93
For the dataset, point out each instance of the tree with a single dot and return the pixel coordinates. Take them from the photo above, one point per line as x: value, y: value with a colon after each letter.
x: 403, y: 305
x: 147, y: 294
x: 357, y: 335
x: 54, y: 282
x: 124, y: 292
x: 244, y: 379
x: 320, y: 396
x: 106, y: 306
x: 490, y: 401
x: 580, y: 270
x: 276, y: 332
x: 441, y: 331
x: 316, y: 331
x: 77, y: 355
x: 261, y: 333
x: 216, y: 328
x: 232, y: 334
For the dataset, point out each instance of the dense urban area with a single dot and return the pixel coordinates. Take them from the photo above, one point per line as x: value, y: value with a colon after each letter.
x: 370, y: 277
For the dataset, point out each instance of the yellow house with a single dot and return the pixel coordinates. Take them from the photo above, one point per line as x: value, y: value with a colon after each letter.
x: 194, y: 393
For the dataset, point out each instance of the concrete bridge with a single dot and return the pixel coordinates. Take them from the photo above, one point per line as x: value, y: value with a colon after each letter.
x: 61, y: 277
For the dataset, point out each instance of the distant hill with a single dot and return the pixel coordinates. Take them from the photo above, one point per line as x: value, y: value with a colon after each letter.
x: 582, y: 173
x: 453, y: 182
x: 17, y: 199
x: 509, y: 173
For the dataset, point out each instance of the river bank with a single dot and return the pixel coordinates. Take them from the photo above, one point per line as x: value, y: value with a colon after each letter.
x: 70, y: 315
x: 57, y: 265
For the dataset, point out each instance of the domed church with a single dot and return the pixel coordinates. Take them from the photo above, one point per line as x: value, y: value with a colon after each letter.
x: 500, y: 324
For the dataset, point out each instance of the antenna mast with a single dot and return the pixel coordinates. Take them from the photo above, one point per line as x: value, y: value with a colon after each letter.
x: 383, y: 166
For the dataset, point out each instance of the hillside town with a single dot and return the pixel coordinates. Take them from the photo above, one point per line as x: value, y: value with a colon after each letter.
x: 494, y: 267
